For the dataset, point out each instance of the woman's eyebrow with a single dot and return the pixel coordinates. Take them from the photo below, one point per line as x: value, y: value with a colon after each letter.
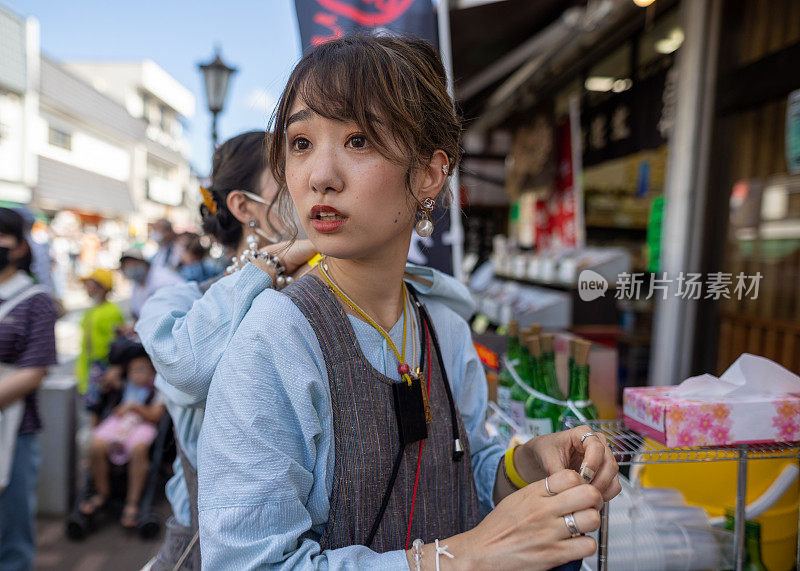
x: 302, y: 115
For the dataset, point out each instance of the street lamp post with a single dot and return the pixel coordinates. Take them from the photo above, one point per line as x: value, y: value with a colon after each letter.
x: 217, y: 76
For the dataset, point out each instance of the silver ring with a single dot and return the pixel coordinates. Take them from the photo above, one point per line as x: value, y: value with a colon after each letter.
x: 547, y: 487
x: 569, y: 519
x: 588, y: 434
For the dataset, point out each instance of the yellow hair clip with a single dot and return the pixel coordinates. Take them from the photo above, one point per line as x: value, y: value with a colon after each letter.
x: 208, y: 200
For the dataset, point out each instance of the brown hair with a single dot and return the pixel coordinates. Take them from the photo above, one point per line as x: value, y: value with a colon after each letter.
x: 238, y: 164
x: 388, y: 85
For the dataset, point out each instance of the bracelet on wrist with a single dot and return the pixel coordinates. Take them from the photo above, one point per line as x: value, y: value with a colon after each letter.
x: 281, y: 280
x: 511, y: 472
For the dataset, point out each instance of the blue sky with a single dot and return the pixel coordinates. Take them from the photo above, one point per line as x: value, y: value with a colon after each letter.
x: 259, y: 37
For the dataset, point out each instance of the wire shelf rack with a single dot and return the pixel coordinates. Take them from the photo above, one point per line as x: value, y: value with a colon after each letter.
x: 630, y: 447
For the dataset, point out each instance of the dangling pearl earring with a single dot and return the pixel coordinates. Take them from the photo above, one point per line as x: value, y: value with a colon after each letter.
x: 424, y: 226
x: 252, y: 237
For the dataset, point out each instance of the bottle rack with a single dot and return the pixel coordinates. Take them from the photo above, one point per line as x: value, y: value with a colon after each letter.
x: 631, y: 448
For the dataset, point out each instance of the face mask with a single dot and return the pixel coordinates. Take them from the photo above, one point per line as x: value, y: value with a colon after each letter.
x: 3, y: 258
x: 137, y: 273
x: 271, y: 238
x: 157, y: 237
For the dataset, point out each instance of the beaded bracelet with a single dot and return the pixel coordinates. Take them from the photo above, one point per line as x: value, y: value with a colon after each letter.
x: 248, y: 255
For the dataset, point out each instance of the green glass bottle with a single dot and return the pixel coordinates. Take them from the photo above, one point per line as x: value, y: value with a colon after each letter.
x: 527, y: 371
x: 579, y: 383
x: 549, y: 367
x: 752, y: 546
x: 541, y: 417
x: 505, y: 383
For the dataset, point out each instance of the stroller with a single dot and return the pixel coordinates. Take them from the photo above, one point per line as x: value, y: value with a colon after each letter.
x: 161, y: 454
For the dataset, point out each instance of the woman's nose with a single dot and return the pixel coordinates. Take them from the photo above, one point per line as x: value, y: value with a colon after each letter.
x: 325, y: 175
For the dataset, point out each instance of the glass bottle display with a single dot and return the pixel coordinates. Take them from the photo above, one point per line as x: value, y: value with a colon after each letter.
x: 579, y: 383
x: 541, y: 417
x: 505, y: 383
x: 519, y: 396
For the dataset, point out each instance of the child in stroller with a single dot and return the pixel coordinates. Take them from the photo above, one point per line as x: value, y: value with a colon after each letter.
x: 125, y: 436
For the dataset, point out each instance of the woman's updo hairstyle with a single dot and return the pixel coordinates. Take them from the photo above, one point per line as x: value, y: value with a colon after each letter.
x: 237, y: 165
x: 392, y: 87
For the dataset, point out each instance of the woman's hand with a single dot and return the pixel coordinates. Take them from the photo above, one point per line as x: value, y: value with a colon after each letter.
x: 527, y: 529
x: 293, y: 256
x: 592, y: 458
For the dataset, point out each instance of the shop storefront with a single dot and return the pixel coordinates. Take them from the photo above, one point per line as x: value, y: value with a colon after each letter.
x: 658, y: 151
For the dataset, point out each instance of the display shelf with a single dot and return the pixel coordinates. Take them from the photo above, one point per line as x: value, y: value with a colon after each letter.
x: 630, y: 447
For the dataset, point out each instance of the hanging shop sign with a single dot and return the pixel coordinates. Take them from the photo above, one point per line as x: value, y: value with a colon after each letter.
x: 321, y: 21
x: 324, y: 20
x: 627, y: 122
x: 793, y: 132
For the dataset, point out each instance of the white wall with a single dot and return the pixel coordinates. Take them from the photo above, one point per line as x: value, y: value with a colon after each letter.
x: 89, y: 151
x: 12, y: 124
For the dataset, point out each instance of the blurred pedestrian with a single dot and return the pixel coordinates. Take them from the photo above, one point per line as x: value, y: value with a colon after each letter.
x: 27, y: 349
x: 39, y: 243
x: 168, y: 254
x: 98, y: 328
x: 146, y: 278
x: 195, y: 267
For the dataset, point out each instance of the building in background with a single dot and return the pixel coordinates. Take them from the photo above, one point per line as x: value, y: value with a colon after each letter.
x: 19, y: 64
x: 163, y: 185
x: 98, y: 144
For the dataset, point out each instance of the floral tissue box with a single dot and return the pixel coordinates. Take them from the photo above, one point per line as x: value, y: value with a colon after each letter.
x: 705, y: 421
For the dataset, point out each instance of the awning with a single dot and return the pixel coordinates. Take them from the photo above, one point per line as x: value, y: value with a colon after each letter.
x: 64, y: 186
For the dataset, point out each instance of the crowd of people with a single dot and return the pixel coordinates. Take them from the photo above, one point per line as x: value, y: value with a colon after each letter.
x: 326, y: 399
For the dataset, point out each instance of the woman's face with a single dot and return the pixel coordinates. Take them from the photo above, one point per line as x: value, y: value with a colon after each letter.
x: 351, y: 200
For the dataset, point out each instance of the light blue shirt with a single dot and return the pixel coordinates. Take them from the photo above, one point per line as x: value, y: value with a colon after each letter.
x: 266, y: 451
x: 186, y: 332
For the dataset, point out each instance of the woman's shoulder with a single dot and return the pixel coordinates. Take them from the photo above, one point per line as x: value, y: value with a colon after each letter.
x: 274, y: 315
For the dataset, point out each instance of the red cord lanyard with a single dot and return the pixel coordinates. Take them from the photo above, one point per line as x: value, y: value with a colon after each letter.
x: 421, y: 443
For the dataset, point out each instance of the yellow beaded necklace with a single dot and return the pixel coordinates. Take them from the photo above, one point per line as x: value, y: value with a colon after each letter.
x: 402, y: 367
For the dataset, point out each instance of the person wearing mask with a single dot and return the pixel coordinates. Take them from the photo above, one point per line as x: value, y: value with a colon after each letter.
x: 168, y: 254
x: 98, y: 328
x: 195, y: 267
x: 146, y: 278
x: 27, y: 349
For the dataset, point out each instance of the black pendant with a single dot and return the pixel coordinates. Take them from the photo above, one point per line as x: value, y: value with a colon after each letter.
x: 409, y: 409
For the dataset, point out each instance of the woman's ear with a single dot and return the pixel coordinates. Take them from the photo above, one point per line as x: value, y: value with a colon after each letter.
x: 433, y: 176
x: 242, y: 208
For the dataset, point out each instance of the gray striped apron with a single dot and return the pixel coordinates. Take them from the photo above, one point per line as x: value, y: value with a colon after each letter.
x: 366, y: 441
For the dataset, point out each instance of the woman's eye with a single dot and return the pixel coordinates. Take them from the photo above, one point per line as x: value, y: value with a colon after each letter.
x: 357, y: 141
x: 301, y: 144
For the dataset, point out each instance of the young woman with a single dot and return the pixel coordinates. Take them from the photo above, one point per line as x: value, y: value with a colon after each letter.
x: 186, y: 330
x: 27, y: 349
x: 345, y: 418
x: 182, y: 329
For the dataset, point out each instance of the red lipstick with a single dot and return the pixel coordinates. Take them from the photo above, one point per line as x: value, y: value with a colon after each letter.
x: 326, y: 219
